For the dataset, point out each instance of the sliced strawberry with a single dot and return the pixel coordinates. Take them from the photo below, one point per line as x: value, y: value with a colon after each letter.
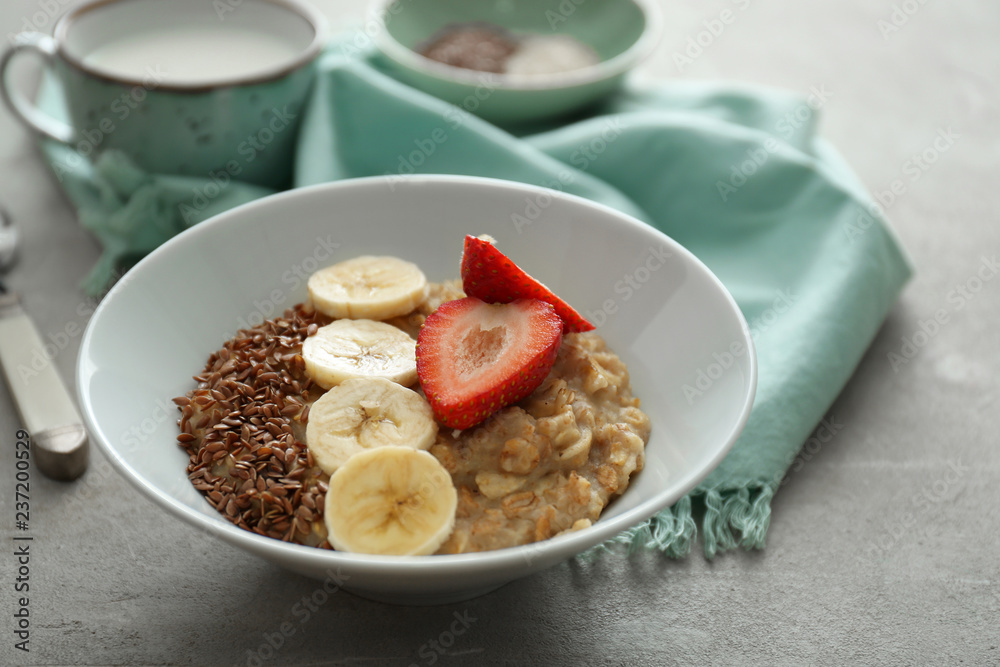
x: 490, y: 275
x: 474, y: 358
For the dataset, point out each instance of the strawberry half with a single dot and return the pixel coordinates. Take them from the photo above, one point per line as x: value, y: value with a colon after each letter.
x: 474, y: 358
x: 490, y: 275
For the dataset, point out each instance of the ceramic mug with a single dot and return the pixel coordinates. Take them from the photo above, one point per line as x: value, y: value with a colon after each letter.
x: 184, y: 87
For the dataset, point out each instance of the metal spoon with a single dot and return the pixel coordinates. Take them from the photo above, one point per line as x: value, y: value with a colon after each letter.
x: 9, y: 238
x: 59, y: 442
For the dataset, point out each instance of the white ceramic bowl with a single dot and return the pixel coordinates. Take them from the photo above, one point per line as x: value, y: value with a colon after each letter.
x: 156, y: 328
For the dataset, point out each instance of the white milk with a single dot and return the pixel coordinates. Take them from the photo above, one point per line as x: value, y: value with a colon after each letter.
x: 193, y: 54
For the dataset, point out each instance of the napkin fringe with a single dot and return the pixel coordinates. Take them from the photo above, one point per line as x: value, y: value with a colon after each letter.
x: 733, y: 517
x: 672, y: 531
x: 746, y: 510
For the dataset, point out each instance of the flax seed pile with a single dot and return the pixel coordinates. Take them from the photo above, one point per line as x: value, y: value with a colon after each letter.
x: 479, y: 47
x: 244, y: 430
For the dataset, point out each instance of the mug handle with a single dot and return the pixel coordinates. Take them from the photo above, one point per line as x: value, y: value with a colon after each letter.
x: 24, y: 110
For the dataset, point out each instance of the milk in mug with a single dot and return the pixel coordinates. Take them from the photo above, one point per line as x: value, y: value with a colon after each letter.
x: 193, y: 54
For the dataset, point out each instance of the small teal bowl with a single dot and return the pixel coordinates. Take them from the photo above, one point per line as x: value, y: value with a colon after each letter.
x: 622, y: 32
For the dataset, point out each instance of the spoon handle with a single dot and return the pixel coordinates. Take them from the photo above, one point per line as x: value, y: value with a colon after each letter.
x: 59, y: 443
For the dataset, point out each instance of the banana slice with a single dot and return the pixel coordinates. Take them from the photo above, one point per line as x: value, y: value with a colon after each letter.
x: 373, y: 288
x: 391, y: 500
x: 360, y: 348
x: 367, y: 413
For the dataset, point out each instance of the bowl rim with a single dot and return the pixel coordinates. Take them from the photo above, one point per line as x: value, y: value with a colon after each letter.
x: 639, y: 51
x: 565, y: 545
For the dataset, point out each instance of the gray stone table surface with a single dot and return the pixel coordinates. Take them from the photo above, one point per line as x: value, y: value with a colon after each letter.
x: 884, y: 543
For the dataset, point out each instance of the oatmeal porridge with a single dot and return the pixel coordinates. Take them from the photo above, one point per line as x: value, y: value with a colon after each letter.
x: 546, y: 464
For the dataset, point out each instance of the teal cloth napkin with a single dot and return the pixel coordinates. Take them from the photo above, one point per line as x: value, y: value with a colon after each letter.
x: 737, y: 174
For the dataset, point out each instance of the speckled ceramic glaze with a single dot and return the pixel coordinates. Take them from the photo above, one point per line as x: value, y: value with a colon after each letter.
x: 243, y: 126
